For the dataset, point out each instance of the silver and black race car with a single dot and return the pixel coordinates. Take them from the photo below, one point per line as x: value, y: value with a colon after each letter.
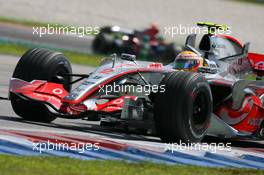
x: 161, y: 99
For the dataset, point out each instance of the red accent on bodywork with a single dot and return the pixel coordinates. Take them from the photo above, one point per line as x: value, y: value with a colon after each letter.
x: 253, y: 114
x: 114, y: 105
x: 230, y: 38
x: 106, y: 71
x: 39, y: 90
x: 257, y: 62
x: 156, y: 65
x: 85, y: 96
x: 18, y: 85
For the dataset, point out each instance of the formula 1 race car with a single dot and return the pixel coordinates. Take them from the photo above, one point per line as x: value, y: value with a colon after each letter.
x: 147, y: 44
x: 175, y: 104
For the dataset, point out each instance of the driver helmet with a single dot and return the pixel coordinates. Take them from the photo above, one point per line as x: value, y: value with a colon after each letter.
x: 188, y: 61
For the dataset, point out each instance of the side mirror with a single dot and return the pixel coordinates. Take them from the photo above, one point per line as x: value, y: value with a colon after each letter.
x: 128, y: 57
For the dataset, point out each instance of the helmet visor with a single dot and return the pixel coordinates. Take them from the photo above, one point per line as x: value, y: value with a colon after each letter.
x: 185, y: 63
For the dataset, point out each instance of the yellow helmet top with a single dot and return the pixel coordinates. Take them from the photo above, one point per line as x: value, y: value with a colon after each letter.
x: 188, y: 60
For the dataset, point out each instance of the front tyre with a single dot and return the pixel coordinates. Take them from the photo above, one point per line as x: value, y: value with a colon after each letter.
x: 39, y: 64
x: 182, y: 112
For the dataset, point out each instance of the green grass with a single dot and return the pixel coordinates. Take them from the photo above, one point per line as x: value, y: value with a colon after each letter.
x: 13, y: 165
x: 19, y: 49
x: 252, y: 1
x: 30, y: 23
x: 253, y: 76
x: 77, y: 58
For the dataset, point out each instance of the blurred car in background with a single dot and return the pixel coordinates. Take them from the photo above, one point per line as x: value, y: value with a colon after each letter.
x: 146, y: 44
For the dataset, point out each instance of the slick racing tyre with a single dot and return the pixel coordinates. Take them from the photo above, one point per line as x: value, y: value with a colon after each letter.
x: 182, y: 112
x: 39, y: 64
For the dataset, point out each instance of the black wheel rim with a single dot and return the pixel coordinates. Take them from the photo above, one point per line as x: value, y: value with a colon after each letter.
x: 200, y: 110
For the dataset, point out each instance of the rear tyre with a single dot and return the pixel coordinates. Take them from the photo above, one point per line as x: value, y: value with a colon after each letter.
x: 182, y: 113
x: 39, y: 64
